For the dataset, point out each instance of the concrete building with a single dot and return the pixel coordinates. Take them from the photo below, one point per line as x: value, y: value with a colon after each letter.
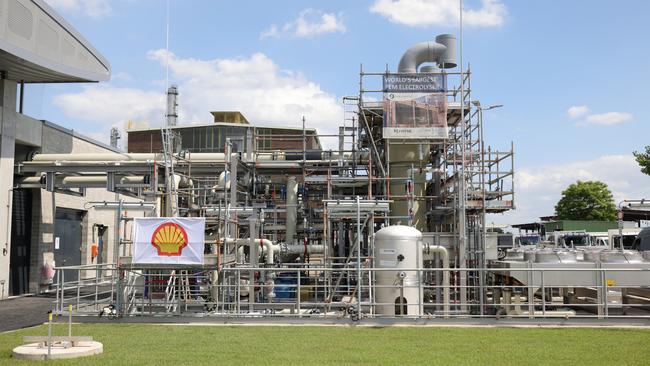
x: 38, y: 46
x: 55, y: 225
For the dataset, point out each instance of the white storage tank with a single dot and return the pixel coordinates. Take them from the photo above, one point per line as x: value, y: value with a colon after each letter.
x: 398, y: 247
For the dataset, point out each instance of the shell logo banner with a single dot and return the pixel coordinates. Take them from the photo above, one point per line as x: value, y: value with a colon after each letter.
x: 168, y: 240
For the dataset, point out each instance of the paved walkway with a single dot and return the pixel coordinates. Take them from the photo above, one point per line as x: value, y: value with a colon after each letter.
x: 21, y: 312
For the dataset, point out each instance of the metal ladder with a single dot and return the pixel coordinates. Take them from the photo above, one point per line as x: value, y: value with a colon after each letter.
x: 131, y: 293
x: 170, y: 293
x: 178, y: 289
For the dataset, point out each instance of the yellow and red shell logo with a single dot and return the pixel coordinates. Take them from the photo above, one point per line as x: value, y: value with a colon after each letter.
x: 169, y: 239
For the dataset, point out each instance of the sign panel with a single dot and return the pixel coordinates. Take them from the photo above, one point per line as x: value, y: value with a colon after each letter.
x: 415, y: 106
x: 414, y: 83
x: 168, y: 240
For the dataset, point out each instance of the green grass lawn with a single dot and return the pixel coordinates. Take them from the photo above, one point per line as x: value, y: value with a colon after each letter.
x: 134, y: 344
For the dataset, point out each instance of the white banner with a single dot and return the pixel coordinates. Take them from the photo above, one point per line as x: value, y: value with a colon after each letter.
x: 168, y: 240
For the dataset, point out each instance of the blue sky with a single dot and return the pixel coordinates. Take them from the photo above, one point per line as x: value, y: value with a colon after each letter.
x: 278, y: 60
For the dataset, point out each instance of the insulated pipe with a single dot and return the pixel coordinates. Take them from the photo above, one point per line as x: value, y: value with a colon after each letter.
x: 292, y: 209
x: 181, y: 181
x: 95, y: 181
x: 223, y: 181
x: 300, y: 249
x: 429, y: 249
x: 96, y: 157
x: 83, y: 182
x: 122, y: 157
x: 269, y: 248
x: 279, y: 156
x: 31, y: 180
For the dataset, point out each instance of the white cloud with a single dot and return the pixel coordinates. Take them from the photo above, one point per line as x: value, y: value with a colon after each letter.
x: 105, y: 104
x: 91, y: 8
x: 255, y: 85
x: 539, y: 189
x: 577, y: 111
x: 423, y: 13
x: 310, y: 22
x: 604, y: 119
x: 610, y: 118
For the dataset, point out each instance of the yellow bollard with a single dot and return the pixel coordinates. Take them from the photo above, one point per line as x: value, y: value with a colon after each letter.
x: 49, y: 336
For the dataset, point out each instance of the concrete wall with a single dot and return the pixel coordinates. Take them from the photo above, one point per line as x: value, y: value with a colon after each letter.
x: 29, y: 131
x: 7, y: 146
x: 57, y: 140
x: 19, y: 135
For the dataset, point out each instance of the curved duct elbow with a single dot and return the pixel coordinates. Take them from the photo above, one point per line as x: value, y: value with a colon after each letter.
x: 442, y: 52
x: 448, y: 58
x: 223, y: 182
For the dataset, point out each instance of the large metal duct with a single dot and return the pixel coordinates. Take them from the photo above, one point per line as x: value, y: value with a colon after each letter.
x: 442, y: 52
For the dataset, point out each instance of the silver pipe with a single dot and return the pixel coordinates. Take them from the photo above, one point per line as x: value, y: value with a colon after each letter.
x: 105, y: 205
x: 300, y: 249
x: 269, y: 248
x: 429, y: 249
x: 292, y: 209
x: 79, y: 181
x: 96, y: 157
x: 267, y: 157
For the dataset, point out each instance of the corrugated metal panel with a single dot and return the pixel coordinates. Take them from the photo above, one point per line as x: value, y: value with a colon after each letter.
x: 576, y: 225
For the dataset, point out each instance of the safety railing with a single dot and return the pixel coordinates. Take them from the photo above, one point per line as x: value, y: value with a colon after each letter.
x: 84, y: 287
x: 324, y: 292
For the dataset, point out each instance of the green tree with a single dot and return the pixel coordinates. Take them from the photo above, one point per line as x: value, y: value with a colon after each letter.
x: 643, y: 158
x: 589, y: 200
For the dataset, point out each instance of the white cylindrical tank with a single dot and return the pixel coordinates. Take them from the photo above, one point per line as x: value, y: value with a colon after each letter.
x: 398, y: 247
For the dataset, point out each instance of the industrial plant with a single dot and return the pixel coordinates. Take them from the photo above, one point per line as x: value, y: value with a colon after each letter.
x: 237, y: 219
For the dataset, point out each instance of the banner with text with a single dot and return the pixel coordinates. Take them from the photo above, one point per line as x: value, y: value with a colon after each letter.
x: 415, y: 106
x: 414, y: 83
x: 168, y: 240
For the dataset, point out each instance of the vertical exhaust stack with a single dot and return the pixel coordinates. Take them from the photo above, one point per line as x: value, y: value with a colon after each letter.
x: 410, y: 160
x: 448, y: 58
x: 172, y: 105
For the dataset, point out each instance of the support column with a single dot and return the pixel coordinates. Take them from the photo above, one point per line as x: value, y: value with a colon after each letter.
x: 254, y: 259
x: 7, y: 149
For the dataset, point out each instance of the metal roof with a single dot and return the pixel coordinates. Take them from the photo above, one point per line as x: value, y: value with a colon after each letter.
x: 310, y: 130
x: 38, y: 46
